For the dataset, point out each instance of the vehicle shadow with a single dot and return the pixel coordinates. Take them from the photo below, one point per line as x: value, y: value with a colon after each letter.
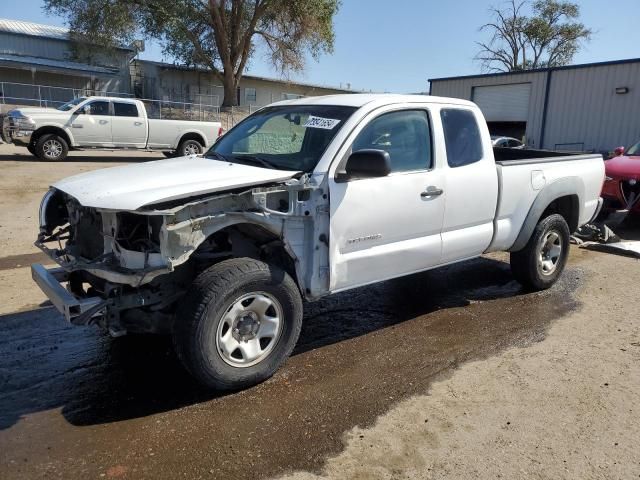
x: 629, y: 229
x: 45, y: 363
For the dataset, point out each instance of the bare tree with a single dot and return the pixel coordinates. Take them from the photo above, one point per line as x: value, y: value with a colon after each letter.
x: 549, y: 37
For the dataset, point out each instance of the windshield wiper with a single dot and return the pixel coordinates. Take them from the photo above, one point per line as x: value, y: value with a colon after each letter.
x: 218, y: 155
x: 250, y: 159
x: 257, y: 160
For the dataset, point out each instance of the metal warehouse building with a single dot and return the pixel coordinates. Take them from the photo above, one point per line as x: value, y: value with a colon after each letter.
x: 588, y: 107
x: 34, y: 54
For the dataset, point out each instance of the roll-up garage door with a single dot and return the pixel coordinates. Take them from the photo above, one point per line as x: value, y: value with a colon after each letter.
x: 504, y: 103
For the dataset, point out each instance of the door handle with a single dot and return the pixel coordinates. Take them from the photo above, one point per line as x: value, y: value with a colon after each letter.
x: 432, y: 192
x: 103, y: 122
x: 137, y: 124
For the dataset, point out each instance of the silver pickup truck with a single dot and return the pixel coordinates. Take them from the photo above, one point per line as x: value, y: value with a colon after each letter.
x: 107, y: 123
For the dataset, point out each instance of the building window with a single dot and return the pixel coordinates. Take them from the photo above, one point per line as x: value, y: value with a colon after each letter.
x: 250, y: 95
x: 291, y: 96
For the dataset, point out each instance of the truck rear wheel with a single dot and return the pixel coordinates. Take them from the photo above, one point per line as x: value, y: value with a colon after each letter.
x: 539, y: 264
x: 51, y: 147
x: 189, y: 147
x: 238, y: 323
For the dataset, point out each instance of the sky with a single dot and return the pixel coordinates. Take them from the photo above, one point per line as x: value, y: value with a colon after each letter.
x: 396, y: 46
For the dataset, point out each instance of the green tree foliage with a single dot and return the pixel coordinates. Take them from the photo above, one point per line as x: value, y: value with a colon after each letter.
x: 549, y: 37
x: 220, y: 35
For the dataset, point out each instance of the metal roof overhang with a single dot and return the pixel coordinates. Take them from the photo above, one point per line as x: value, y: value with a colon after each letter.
x: 53, y: 66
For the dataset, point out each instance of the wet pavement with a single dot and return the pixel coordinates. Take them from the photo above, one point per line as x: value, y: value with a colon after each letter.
x: 77, y: 404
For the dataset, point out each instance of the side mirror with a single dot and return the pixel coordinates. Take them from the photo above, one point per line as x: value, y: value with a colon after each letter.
x: 618, y: 151
x: 369, y: 163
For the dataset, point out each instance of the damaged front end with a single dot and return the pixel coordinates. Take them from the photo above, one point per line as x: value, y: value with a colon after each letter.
x: 125, y: 270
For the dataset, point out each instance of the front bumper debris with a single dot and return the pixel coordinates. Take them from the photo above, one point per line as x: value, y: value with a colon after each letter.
x: 75, y: 310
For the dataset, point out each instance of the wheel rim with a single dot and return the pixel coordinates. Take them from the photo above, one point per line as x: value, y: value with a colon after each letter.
x: 550, y: 252
x: 249, y: 329
x: 191, y: 149
x: 52, y: 148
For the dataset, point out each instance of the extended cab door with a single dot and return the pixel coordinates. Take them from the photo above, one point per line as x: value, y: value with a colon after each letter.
x: 389, y: 226
x: 129, y: 126
x: 91, y: 124
x: 472, y: 184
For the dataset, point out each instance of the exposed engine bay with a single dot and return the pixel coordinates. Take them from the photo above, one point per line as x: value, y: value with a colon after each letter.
x: 141, y: 262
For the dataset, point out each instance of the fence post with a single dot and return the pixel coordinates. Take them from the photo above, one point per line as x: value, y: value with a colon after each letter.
x: 39, y: 97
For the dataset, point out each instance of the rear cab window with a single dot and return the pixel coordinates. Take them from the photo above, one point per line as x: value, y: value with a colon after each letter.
x: 462, y: 137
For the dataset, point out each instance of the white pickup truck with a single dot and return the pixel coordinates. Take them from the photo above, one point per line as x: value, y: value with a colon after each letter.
x: 302, y: 199
x: 104, y: 123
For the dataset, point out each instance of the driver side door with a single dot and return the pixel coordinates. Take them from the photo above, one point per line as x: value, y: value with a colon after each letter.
x: 91, y: 124
x: 388, y: 226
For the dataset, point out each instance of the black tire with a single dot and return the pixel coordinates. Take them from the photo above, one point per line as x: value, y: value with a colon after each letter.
x: 203, y: 309
x: 31, y: 148
x: 189, y: 147
x: 51, y: 147
x: 526, y: 264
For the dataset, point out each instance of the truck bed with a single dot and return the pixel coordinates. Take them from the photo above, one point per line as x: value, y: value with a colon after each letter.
x: 504, y: 155
x: 523, y: 174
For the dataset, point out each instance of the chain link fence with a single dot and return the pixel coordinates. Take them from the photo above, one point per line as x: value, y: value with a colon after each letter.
x: 12, y: 93
x: 25, y: 94
x: 205, y: 108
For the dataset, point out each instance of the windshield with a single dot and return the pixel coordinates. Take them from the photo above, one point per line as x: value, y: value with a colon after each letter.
x: 69, y: 105
x: 634, y: 150
x: 291, y: 137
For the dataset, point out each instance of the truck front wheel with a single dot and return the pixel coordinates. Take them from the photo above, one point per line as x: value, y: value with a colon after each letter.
x: 238, y: 323
x: 539, y: 264
x: 51, y: 147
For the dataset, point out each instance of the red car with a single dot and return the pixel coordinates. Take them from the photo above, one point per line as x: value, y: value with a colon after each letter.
x: 621, y: 189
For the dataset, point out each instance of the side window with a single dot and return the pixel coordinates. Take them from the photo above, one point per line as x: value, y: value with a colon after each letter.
x: 98, y: 108
x: 514, y: 143
x: 125, y: 109
x: 250, y: 95
x: 405, y: 135
x: 461, y: 136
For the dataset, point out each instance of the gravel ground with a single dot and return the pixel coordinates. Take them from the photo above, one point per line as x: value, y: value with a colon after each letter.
x: 455, y: 373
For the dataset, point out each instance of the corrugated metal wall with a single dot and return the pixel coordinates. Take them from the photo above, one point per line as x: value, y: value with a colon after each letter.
x: 33, y: 46
x: 463, y: 88
x: 60, y: 50
x: 584, y: 112
x: 584, y: 108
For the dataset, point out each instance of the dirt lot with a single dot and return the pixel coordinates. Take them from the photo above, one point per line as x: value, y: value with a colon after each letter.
x: 451, y: 374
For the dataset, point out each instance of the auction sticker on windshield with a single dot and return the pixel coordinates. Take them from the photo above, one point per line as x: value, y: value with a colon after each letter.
x: 319, y: 122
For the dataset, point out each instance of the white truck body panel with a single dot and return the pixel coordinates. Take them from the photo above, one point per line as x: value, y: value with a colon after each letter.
x: 521, y: 182
x: 132, y: 186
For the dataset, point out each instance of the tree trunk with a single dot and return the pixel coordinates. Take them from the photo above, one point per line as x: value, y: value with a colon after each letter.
x: 230, y: 91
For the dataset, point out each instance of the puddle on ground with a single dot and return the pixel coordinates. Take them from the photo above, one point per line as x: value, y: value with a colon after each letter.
x: 360, y: 352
